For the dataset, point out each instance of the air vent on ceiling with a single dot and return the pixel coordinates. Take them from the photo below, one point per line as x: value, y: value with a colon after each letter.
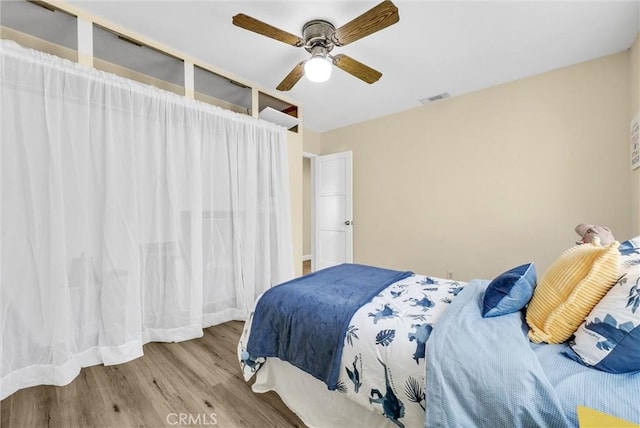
x: 435, y: 98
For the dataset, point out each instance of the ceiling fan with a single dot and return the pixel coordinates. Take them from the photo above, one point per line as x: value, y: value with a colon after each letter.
x: 319, y: 37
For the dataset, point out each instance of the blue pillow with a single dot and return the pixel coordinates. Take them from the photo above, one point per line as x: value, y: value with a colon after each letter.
x: 510, y: 291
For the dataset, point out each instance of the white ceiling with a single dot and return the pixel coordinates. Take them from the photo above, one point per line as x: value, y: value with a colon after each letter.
x: 437, y: 46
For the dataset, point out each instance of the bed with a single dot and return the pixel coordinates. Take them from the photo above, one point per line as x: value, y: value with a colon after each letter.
x: 419, y: 353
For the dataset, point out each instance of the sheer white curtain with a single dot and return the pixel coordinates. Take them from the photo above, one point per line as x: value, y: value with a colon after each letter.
x: 127, y: 215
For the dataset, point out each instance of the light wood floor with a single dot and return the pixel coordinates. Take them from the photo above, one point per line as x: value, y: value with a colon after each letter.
x: 198, y: 380
x: 306, y: 267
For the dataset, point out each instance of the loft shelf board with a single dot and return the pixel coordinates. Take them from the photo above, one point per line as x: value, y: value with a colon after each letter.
x: 272, y: 115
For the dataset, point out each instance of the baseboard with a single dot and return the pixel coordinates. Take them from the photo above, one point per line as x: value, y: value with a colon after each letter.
x: 306, y: 258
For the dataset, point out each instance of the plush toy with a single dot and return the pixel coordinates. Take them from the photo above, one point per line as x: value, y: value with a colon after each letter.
x: 598, y: 235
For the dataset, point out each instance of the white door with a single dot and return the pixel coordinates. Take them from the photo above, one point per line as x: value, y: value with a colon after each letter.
x: 333, y: 211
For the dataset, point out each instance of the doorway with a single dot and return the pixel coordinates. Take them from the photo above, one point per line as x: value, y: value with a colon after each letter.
x: 332, y: 217
x: 327, y: 213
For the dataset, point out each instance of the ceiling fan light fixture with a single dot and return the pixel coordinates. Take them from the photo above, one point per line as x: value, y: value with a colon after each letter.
x: 318, y: 69
x: 320, y: 37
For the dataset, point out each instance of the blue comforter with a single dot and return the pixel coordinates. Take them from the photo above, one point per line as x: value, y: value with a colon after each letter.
x: 304, y: 321
x: 485, y: 372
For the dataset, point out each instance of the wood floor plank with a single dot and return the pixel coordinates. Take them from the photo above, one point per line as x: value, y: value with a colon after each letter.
x: 306, y: 267
x: 197, y: 380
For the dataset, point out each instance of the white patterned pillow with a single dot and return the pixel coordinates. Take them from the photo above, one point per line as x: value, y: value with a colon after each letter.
x: 609, y: 339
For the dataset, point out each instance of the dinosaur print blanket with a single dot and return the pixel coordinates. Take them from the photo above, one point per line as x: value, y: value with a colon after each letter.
x: 382, y: 363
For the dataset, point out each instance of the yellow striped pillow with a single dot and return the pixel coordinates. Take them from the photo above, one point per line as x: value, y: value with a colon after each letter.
x: 569, y: 289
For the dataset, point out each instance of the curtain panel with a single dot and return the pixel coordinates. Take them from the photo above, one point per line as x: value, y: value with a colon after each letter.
x: 128, y: 215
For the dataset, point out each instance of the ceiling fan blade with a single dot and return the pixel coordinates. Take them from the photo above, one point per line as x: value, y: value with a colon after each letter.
x: 292, y: 78
x: 356, y: 68
x: 375, y: 19
x: 252, y: 24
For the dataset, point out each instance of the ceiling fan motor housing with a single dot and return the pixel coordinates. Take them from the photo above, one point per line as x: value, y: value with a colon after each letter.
x: 317, y: 33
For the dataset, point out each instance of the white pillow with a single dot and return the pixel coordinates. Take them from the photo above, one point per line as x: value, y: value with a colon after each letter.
x: 609, y: 339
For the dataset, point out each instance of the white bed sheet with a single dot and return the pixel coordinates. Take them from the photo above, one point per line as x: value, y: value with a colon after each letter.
x: 310, y: 399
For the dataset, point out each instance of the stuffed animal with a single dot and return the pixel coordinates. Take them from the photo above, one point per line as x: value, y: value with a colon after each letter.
x: 597, y: 235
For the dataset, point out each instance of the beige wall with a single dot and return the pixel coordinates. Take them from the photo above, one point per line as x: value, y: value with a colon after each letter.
x: 478, y: 183
x: 311, y: 142
x: 295, y: 177
x: 311, y: 145
x: 634, y: 74
x: 306, y: 207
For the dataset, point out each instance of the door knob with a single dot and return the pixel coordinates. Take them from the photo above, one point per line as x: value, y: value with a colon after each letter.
x: 348, y: 222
